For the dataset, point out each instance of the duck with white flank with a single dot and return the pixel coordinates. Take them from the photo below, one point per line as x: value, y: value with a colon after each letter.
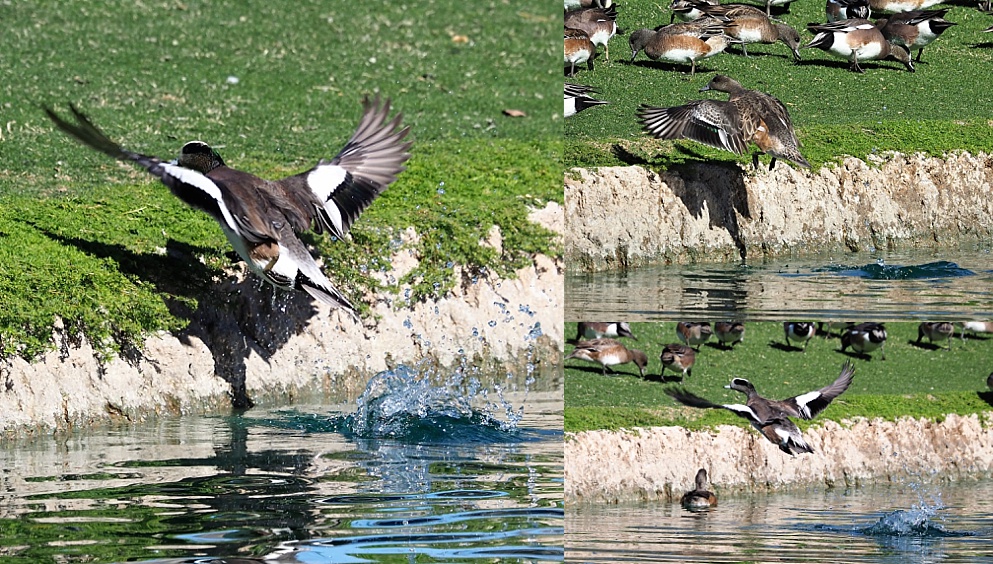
x: 600, y: 24
x: 729, y: 333
x: 599, y: 329
x: 838, y: 10
x: 747, y: 116
x: 914, y: 30
x: 262, y: 217
x: 578, y: 50
x: 749, y: 24
x: 694, y: 334
x: 678, y: 358
x: 772, y: 417
x: 699, y: 498
x: 857, y: 40
x: 799, y: 331
x: 681, y: 42
x: 607, y: 353
x: 936, y: 331
x: 865, y: 338
x: 578, y: 97
x: 976, y: 327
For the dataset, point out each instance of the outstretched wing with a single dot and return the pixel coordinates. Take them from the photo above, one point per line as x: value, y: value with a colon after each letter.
x: 810, y: 404
x: 334, y: 193
x: 692, y: 400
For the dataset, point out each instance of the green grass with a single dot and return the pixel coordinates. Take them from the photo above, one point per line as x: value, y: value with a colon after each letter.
x: 913, y: 381
x: 102, y: 246
x: 942, y: 107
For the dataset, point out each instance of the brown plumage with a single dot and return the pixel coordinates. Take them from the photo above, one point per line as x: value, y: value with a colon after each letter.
x: 749, y: 24
x: 729, y: 333
x: 578, y: 50
x: 936, y: 331
x: 682, y: 42
x: 747, y: 116
x: 678, y: 358
x: 607, y: 353
x: 699, y: 498
x: 599, y: 24
x: 914, y: 30
x: 857, y: 40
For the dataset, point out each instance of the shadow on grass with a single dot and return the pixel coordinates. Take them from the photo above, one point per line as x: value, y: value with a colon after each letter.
x: 590, y: 369
x: 780, y: 346
x: 673, y: 379
x: 925, y: 346
x: 858, y: 355
x: 232, y: 319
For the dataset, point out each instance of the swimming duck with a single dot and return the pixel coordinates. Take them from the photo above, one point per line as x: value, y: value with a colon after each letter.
x: 678, y: 358
x: 729, y: 333
x: 599, y: 329
x: 799, y: 331
x: 865, y: 338
x: 914, y: 30
x: 857, y: 40
x: 699, y: 498
x: 936, y: 331
x: 747, y: 116
x: 693, y: 334
x: 578, y: 97
x: 772, y: 417
x: 261, y: 218
x: 607, y: 353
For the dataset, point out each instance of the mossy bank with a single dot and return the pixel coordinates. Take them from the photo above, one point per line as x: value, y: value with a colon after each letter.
x: 621, y: 217
x: 250, y: 347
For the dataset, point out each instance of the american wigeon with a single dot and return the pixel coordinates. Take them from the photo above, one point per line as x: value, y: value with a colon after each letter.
x: 578, y: 50
x: 699, y: 498
x: 729, y: 333
x: 599, y: 24
x: 681, y: 42
x: 893, y: 6
x: 772, y: 417
x: 747, y: 116
x: 865, y: 338
x: 607, y: 353
x: 914, y: 30
x: 936, y: 331
x: 678, y: 358
x: 770, y: 3
x: 827, y: 327
x: 694, y: 334
x: 261, y: 218
x: 976, y: 327
x: 689, y: 10
x: 600, y: 329
x: 799, y: 331
x: 571, y: 5
x: 749, y: 24
x: 838, y: 10
x: 579, y: 97
x: 857, y: 40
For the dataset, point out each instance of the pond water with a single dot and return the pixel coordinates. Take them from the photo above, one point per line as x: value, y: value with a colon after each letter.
x: 421, y: 469
x: 946, y: 285
x: 898, y: 524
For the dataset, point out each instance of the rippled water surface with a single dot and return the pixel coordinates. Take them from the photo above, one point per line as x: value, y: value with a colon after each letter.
x: 950, y: 285
x: 898, y: 524
x: 416, y: 472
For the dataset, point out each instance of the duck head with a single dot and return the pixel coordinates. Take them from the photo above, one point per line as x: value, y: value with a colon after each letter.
x: 199, y: 156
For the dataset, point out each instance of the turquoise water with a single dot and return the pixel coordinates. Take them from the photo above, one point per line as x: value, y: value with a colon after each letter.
x: 896, y: 524
x: 921, y: 285
x: 421, y: 468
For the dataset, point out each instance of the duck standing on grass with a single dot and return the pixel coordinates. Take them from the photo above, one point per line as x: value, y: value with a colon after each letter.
x: 678, y: 358
x: 599, y: 329
x: 772, y: 417
x: 699, y: 498
x: 749, y: 116
x: 865, y: 338
x: 856, y: 40
x: 936, y: 331
x: 729, y: 333
x: 607, y: 353
x: 799, y: 331
x: 261, y: 218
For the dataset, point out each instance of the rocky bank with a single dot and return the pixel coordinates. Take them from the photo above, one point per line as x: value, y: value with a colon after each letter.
x: 620, y: 217
x: 659, y: 464
x: 257, y: 349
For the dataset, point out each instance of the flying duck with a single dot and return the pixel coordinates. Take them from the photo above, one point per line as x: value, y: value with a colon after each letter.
x: 578, y: 97
x: 699, y: 498
x: 599, y: 329
x: 747, y: 116
x: 261, y: 218
x: 607, y: 353
x: 865, y: 338
x: 799, y: 331
x: 772, y: 417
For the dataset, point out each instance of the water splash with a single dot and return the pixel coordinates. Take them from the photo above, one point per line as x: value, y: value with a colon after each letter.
x: 881, y: 271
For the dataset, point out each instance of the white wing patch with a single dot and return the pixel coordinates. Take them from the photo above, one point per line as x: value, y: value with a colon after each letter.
x: 745, y: 410
x: 323, y: 181
x: 803, y: 400
x: 204, y: 184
